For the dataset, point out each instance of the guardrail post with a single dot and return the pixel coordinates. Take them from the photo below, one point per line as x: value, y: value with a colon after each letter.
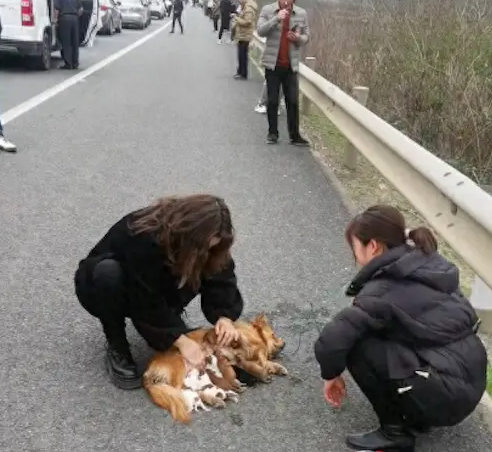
x: 481, y: 295
x: 360, y: 94
x: 310, y: 62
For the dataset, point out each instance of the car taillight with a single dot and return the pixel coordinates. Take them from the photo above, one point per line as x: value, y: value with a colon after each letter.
x: 27, y: 13
x: 104, y: 8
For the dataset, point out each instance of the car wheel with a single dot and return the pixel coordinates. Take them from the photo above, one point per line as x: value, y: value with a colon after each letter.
x: 42, y: 62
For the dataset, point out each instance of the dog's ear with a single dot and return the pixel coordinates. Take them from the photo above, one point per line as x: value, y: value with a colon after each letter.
x: 260, y: 320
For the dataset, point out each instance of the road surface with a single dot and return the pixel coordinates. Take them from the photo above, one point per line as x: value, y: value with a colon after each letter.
x: 165, y: 118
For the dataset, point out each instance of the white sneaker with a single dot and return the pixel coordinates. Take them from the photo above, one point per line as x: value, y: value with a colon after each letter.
x: 219, y: 41
x: 6, y: 145
x: 261, y: 109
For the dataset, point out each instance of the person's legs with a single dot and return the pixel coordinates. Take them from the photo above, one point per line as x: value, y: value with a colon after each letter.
x: 100, y: 290
x: 290, y: 87
x: 180, y: 23
x: 273, y: 82
x: 64, y: 27
x: 221, y: 30
x: 74, y: 34
x: 216, y: 23
x: 242, y: 60
x: 175, y: 17
x: 368, y: 367
x: 261, y: 106
x: 6, y: 145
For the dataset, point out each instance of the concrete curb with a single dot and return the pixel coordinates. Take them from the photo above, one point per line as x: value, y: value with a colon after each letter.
x: 485, y: 406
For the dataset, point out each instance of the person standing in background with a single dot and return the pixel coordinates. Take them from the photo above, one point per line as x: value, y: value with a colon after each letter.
x: 67, y: 14
x: 244, y: 25
x: 226, y: 9
x: 178, y: 7
x: 216, y: 15
x: 5, y: 145
x: 285, y: 27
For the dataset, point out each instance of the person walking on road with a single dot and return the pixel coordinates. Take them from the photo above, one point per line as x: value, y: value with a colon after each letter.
x: 178, y: 7
x: 285, y: 27
x: 244, y: 25
x: 149, y: 266
x: 409, y: 339
x: 216, y: 15
x: 67, y: 14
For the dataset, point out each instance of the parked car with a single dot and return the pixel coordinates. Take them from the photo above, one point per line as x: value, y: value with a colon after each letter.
x: 29, y: 29
x: 158, y: 9
x: 135, y: 13
x: 112, y: 22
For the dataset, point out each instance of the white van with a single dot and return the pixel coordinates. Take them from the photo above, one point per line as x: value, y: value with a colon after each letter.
x: 28, y: 29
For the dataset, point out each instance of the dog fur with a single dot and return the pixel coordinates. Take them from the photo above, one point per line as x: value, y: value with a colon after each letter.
x: 179, y: 389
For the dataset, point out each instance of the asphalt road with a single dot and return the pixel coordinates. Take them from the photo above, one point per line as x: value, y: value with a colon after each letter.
x: 165, y: 118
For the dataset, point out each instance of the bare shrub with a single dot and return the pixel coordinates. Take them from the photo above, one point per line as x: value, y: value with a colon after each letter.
x: 428, y: 64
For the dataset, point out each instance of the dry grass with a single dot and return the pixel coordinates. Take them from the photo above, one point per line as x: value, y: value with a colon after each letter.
x: 366, y: 186
x: 428, y: 64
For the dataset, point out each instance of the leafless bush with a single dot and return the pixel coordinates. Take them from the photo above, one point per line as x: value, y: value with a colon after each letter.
x: 428, y: 64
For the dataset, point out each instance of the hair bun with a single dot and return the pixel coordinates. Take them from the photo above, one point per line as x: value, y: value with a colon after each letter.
x: 423, y: 239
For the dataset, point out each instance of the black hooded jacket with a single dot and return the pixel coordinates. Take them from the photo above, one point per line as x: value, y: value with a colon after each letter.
x: 413, y: 303
x: 152, y: 298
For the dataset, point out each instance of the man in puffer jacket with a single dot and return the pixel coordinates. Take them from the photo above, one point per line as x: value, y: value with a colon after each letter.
x: 244, y: 25
x: 5, y: 145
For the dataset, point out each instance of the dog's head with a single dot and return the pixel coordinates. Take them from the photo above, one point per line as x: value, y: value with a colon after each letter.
x: 258, y: 337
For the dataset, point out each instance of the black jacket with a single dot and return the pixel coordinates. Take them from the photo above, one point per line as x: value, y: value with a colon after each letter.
x: 153, y: 300
x: 412, y: 301
x: 178, y: 6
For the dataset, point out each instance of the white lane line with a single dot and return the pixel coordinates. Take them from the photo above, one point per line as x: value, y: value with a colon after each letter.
x: 37, y: 100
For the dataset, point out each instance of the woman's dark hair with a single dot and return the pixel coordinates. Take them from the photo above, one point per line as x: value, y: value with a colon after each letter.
x: 386, y: 225
x: 183, y: 227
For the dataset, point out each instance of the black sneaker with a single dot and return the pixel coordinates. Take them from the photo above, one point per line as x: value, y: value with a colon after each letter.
x: 171, y: 32
x: 394, y: 438
x: 122, y: 369
x: 272, y: 138
x: 299, y: 141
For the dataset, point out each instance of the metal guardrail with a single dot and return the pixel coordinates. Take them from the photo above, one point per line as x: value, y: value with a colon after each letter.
x: 457, y: 208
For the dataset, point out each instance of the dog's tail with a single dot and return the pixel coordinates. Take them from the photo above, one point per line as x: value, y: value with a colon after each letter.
x: 166, y: 397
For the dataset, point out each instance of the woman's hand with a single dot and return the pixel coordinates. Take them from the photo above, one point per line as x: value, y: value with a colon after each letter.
x: 226, y: 331
x: 334, y: 391
x: 191, y: 351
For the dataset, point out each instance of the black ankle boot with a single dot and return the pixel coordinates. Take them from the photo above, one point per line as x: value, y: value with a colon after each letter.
x: 388, y: 438
x: 122, y: 369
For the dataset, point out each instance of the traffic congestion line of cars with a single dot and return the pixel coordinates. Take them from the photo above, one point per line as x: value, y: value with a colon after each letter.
x: 29, y: 29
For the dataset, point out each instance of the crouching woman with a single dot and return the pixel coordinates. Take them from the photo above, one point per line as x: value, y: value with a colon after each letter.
x: 149, y: 266
x: 408, y: 339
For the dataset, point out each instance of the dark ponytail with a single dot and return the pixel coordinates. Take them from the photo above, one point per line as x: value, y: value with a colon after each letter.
x: 424, y: 239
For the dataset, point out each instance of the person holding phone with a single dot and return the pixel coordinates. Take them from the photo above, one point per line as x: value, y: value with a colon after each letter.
x: 285, y: 27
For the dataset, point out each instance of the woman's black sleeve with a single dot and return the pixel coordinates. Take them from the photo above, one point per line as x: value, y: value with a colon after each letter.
x: 221, y: 296
x: 339, y: 336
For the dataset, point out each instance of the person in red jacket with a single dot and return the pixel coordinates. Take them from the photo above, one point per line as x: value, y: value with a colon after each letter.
x: 149, y: 266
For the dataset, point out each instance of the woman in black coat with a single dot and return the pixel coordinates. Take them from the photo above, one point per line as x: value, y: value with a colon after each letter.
x: 149, y: 266
x: 408, y: 339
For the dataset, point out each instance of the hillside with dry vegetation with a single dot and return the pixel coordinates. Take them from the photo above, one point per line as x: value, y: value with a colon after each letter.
x: 428, y: 64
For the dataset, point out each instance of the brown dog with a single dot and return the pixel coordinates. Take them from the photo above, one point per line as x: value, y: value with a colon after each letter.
x: 179, y: 389
x: 257, y: 346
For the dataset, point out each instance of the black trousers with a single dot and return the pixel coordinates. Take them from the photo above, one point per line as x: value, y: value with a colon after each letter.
x: 177, y: 17
x: 287, y: 79
x: 415, y: 402
x: 216, y: 22
x: 68, y: 28
x: 225, y: 24
x: 100, y: 289
x: 242, y: 58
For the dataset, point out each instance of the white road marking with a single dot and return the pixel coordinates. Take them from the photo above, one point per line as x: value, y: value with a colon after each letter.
x: 37, y: 100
